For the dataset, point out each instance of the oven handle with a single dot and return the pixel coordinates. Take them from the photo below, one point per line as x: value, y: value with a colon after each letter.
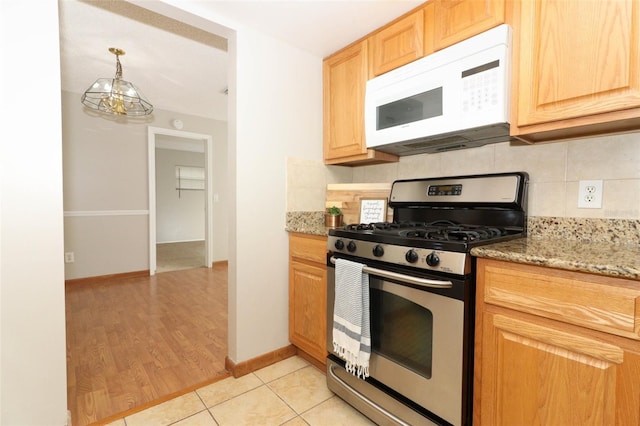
x: 363, y: 398
x: 424, y: 282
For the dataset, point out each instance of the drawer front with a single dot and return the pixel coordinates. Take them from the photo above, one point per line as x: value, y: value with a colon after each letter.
x: 600, y: 303
x: 308, y: 247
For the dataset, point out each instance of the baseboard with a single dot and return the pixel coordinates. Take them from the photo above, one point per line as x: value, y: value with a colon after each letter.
x: 220, y: 264
x: 242, y: 368
x: 179, y: 241
x: 101, y: 278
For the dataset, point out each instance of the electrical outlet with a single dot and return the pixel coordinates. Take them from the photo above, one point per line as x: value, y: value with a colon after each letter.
x: 590, y: 194
x: 69, y: 257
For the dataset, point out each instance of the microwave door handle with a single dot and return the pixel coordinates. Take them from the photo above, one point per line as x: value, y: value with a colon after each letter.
x: 424, y: 282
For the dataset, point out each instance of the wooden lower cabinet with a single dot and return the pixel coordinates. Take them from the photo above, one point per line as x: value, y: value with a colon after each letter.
x: 308, y: 294
x: 532, y: 370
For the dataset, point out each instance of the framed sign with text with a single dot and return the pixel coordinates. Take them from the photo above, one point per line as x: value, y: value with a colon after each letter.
x: 373, y: 210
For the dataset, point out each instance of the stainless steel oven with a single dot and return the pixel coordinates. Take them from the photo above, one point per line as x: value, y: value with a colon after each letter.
x: 418, y: 348
x: 422, y: 294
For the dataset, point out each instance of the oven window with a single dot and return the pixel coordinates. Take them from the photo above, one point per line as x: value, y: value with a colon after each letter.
x: 407, y: 110
x: 401, y: 331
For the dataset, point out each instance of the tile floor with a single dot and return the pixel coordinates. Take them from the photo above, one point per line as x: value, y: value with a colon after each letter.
x: 291, y: 392
x: 181, y: 255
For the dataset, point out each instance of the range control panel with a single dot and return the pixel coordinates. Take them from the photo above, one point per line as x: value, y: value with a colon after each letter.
x: 427, y: 259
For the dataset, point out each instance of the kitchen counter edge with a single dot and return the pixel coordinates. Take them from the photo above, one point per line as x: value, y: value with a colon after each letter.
x: 614, y: 260
x: 309, y: 230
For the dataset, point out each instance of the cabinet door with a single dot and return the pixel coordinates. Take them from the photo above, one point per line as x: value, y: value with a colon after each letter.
x: 577, y: 58
x: 457, y: 20
x: 345, y: 76
x: 533, y: 373
x: 397, y: 44
x: 566, y: 296
x: 308, y: 308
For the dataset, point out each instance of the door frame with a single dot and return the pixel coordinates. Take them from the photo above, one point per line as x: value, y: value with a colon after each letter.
x: 152, y: 132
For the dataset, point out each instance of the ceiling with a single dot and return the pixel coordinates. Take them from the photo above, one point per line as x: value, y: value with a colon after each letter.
x: 173, y: 64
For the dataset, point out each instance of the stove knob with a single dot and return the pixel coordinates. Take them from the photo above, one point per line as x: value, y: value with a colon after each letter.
x: 433, y: 259
x: 339, y: 244
x: 378, y: 251
x: 411, y: 256
x: 351, y: 246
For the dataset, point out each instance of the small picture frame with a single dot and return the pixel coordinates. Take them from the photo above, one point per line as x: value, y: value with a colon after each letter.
x: 373, y: 210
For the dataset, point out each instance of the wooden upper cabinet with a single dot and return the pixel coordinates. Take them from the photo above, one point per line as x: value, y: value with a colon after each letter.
x: 397, y: 44
x: 578, y: 66
x: 428, y: 40
x: 345, y: 76
x: 457, y: 20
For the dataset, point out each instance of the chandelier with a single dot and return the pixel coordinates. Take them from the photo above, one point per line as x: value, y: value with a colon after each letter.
x: 116, y: 96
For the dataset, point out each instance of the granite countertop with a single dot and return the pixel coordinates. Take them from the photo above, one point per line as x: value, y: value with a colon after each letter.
x: 306, y: 223
x: 604, y: 258
x: 608, y: 247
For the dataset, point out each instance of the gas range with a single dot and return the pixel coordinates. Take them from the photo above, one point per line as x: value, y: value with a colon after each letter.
x: 436, y: 222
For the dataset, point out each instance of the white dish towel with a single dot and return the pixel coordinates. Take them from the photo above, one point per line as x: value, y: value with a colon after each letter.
x: 351, y: 329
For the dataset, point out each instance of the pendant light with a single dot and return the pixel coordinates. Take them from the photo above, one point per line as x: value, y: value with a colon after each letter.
x: 116, y: 96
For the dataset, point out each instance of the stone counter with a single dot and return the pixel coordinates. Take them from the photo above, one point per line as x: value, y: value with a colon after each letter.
x: 306, y: 223
x: 601, y: 246
x: 616, y: 260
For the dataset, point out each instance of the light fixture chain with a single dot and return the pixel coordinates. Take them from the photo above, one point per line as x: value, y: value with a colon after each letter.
x: 118, y: 68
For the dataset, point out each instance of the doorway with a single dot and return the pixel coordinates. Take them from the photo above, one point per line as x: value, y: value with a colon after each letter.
x: 183, y: 140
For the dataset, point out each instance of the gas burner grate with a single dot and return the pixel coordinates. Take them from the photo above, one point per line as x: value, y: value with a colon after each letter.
x: 396, y: 226
x: 359, y: 227
x: 382, y: 226
x: 440, y: 230
x: 453, y: 232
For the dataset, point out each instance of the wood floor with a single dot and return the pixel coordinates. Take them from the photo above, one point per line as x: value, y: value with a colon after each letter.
x: 135, y: 341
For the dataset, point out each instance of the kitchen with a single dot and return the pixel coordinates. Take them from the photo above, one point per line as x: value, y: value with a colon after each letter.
x: 495, y: 380
x: 555, y: 170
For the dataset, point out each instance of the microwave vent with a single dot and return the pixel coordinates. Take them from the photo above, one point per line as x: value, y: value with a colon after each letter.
x: 468, y: 138
x: 451, y: 147
x: 443, y: 143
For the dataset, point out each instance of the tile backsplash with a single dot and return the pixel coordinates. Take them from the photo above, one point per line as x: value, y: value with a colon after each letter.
x: 554, y: 171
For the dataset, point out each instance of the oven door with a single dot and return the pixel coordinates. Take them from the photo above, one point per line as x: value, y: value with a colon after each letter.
x: 417, y: 338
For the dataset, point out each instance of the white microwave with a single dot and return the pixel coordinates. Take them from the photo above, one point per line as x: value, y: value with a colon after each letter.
x: 452, y: 99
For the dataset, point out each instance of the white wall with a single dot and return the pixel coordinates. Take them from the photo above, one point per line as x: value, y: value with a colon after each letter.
x: 289, y: 85
x: 32, y: 323
x: 106, y: 190
x: 179, y: 214
x: 275, y: 111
